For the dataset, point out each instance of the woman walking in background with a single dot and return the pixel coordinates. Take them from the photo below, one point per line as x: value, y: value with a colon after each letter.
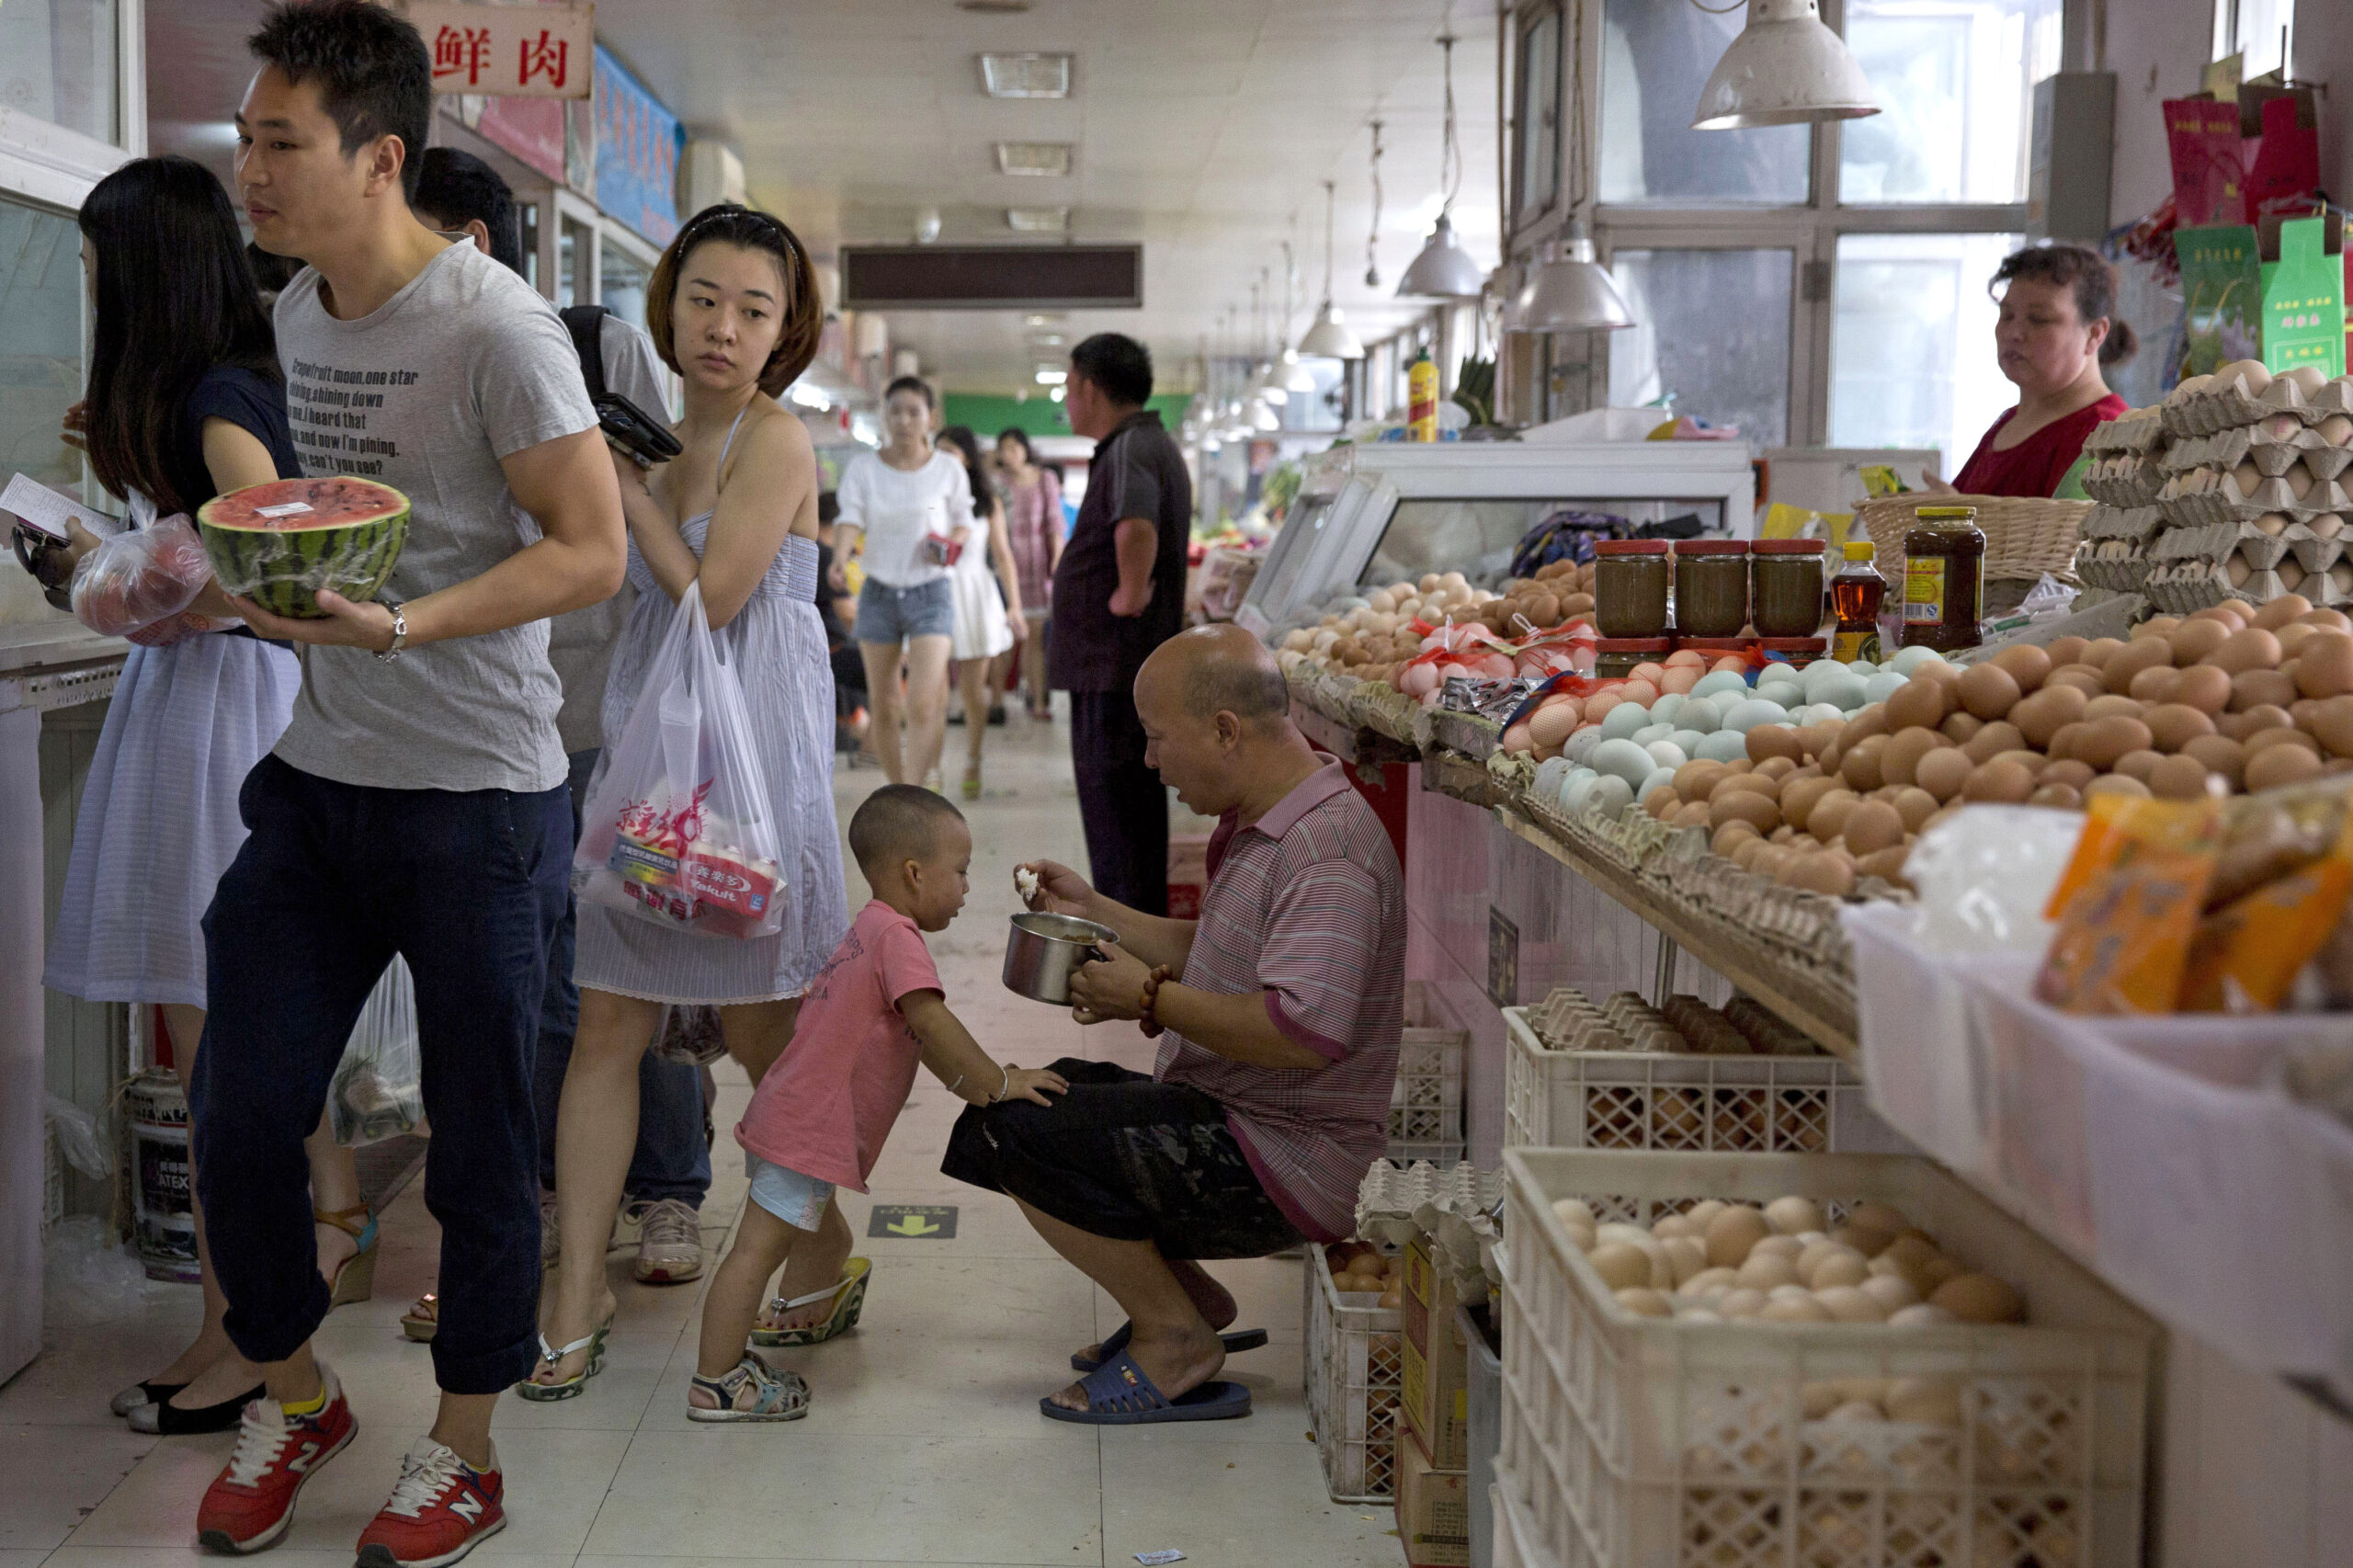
x: 186, y: 401
x: 1033, y: 527
x: 988, y: 609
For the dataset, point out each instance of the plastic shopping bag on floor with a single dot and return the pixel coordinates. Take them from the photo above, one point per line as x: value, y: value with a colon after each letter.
x: 379, y: 1090
x: 678, y: 829
x: 140, y: 576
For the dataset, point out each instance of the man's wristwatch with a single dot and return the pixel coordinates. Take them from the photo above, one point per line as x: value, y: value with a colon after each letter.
x: 400, y: 632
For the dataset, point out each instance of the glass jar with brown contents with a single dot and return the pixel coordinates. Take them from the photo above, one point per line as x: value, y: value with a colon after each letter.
x: 1785, y: 578
x: 1631, y: 578
x: 1710, y: 586
x: 1615, y: 658
x: 1944, y: 579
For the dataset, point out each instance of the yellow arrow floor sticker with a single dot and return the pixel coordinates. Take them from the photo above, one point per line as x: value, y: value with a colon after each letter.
x: 914, y: 1221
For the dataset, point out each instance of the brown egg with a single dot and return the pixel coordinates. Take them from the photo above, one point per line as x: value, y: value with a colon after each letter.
x: 1872, y: 826
x: 1872, y: 721
x: 1813, y: 739
x: 2253, y: 722
x: 2174, y: 725
x: 2027, y: 664
x: 2114, y: 784
x: 2063, y: 744
x: 1887, y: 864
x: 2064, y: 797
x: 2141, y: 654
x: 1991, y: 741
x: 1728, y: 837
x: 1915, y: 806
x: 1942, y: 773
x: 2034, y: 762
x: 2065, y: 650
x: 2231, y: 613
x: 1744, y: 783
x: 1690, y: 813
x: 2274, y: 766
x: 1768, y: 741
x: 1750, y: 806
x: 1777, y: 769
x: 1694, y: 779
x: 2333, y: 726
x: 2157, y: 684
x: 2282, y: 610
x: 2137, y: 763
x: 2264, y: 740
x: 2253, y: 648
x: 1821, y: 871
x: 2157, y: 626
x: 2039, y: 717
x: 2110, y: 705
x: 2328, y: 621
x: 1801, y: 796
x: 2097, y: 653
x: 2222, y: 755
x: 2262, y: 688
x: 1958, y: 727
x: 2194, y: 639
x: 1987, y: 691
x: 2182, y: 779
x: 2075, y: 774
x: 1860, y: 767
x: 1999, y: 780
x: 1661, y: 802
x: 1921, y: 702
x: 2292, y: 638
x: 2104, y: 740
x: 1904, y: 751
x: 2324, y: 665
x: 2204, y: 687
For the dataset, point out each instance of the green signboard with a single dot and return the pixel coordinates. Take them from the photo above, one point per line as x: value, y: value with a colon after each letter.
x: 2304, y: 299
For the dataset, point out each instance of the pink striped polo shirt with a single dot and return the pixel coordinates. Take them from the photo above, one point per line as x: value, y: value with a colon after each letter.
x: 1306, y: 905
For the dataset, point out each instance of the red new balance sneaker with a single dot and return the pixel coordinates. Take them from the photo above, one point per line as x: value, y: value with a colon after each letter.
x: 250, y: 1504
x: 442, y: 1509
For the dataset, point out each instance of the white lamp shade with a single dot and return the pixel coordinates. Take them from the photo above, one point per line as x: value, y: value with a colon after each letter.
x: 1262, y: 415
x: 1568, y: 292
x: 1330, y: 338
x: 1444, y: 270
x: 1785, y: 68
x: 1292, y: 376
x: 1268, y: 387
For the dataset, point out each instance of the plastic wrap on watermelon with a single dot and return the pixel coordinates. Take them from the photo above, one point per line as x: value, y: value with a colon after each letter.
x: 279, y: 543
x: 677, y: 825
x: 139, y: 577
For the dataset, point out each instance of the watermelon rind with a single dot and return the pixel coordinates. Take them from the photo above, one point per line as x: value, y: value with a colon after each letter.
x: 282, y: 568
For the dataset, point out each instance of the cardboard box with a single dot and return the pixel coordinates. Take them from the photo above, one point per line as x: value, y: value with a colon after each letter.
x: 1433, y: 1512
x: 2304, y: 293
x: 1434, y: 1397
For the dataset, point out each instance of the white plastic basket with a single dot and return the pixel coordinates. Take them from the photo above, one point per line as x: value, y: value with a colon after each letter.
x: 1355, y: 1374
x: 1649, y: 1099
x: 1426, y: 1107
x: 1637, y: 1442
x: 1516, y: 1545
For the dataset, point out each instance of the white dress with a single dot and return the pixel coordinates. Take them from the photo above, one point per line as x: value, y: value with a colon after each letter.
x: 776, y: 646
x: 981, y: 632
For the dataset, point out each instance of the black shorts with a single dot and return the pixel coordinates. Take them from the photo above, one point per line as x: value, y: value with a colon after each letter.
x: 1124, y: 1156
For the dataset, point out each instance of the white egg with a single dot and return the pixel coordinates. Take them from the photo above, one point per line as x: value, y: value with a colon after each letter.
x: 1651, y: 732
x: 1658, y: 776
x: 1577, y: 789
x: 1911, y: 659
x: 1663, y: 710
x: 1699, y: 714
x: 1581, y: 744
x: 1860, y: 667
x: 1687, y: 741
x: 1550, y: 775
x: 1757, y: 710
x: 1719, y: 680
x: 1839, y: 690
x: 1777, y: 674
x: 1611, y: 795
x: 1725, y: 746
x: 1668, y: 755
x: 1882, y: 685
x: 1622, y: 722
x: 1624, y: 759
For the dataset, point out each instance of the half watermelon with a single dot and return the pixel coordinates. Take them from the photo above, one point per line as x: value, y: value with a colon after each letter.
x: 277, y: 544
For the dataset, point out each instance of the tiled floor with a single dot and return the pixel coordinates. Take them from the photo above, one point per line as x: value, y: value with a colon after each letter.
x: 924, y: 1443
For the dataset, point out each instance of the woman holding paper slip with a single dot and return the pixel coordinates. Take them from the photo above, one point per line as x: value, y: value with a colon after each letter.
x: 184, y: 402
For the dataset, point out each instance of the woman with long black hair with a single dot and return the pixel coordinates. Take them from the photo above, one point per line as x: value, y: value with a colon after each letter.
x: 184, y: 402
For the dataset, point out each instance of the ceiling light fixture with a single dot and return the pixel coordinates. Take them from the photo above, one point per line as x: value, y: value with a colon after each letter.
x: 1038, y: 220
x: 1264, y: 383
x: 995, y: 7
x: 1049, y: 377
x: 1372, y: 236
x: 1289, y: 374
x: 1785, y: 68
x: 1330, y: 338
x: 1026, y: 75
x: 1568, y: 290
x: 1045, y: 160
x: 1444, y: 270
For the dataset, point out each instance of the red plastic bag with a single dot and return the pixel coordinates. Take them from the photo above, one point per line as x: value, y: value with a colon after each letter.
x: 139, y: 577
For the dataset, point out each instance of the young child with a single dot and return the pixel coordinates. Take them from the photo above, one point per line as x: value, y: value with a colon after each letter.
x: 821, y: 1114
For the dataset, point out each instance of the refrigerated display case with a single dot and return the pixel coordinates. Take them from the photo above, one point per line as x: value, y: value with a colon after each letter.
x: 1386, y: 511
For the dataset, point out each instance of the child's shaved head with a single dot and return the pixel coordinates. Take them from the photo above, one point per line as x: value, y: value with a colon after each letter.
x: 898, y: 822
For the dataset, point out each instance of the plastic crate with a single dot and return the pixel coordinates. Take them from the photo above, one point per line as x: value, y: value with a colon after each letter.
x: 1514, y: 1536
x: 1637, y: 1442
x: 1652, y: 1099
x: 1355, y: 1376
x: 1483, y: 1390
x: 1426, y: 1107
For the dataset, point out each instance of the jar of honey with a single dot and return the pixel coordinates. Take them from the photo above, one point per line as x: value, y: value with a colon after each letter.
x: 1944, y: 579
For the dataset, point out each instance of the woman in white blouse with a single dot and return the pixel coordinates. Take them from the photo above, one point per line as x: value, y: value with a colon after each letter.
x: 912, y: 508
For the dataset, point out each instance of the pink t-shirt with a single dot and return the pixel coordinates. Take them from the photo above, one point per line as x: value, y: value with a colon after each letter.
x: 827, y: 1105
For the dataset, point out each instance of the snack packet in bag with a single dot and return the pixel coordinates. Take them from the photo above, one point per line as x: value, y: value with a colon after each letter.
x: 2128, y: 904
x: 677, y: 828
x: 2279, y: 891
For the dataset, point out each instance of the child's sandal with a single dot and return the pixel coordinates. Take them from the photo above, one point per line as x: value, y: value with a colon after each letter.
x: 848, y: 1296
x: 773, y: 1395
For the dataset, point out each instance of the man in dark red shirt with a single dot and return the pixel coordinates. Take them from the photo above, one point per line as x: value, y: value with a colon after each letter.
x: 1118, y: 594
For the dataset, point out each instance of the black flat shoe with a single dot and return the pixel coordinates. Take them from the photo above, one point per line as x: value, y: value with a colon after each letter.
x: 996, y: 716
x: 168, y: 1420
x: 137, y: 1395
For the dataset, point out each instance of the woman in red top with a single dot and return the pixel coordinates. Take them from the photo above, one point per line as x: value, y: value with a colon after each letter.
x: 2056, y: 329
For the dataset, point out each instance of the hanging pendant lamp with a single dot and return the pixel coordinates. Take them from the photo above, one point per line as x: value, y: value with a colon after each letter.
x: 1785, y: 68
x: 1330, y: 338
x: 1568, y: 292
x: 1444, y: 270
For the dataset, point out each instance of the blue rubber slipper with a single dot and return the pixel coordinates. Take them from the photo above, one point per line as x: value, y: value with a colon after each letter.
x: 1120, y: 1394
x: 1235, y: 1340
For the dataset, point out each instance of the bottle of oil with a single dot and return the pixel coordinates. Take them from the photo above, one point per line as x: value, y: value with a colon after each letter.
x: 1421, y: 399
x: 1855, y: 595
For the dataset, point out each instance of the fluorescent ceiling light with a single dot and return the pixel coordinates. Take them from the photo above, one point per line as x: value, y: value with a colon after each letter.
x: 1047, y: 340
x: 1056, y: 394
x: 1049, y: 378
x: 1038, y: 220
x: 1044, y: 159
x: 1026, y: 75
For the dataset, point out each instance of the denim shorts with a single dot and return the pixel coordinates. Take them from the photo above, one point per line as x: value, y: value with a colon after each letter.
x: 797, y: 1200
x: 892, y: 616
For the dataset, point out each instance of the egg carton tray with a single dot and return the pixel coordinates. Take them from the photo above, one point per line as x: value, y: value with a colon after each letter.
x: 2260, y: 550
x: 2124, y: 479
x: 2122, y: 522
x: 2203, y: 414
x: 1631, y: 1442
x: 1355, y: 1375
x: 1625, y: 841
x: 2197, y: 541
x: 2273, y: 453
x: 2181, y: 587
x: 2119, y: 565
x: 2134, y: 430
x: 2284, y: 396
x: 1454, y: 1205
x: 2317, y: 587
x: 2216, y: 502
x: 2313, y: 551
x: 1753, y: 912
x: 1377, y: 706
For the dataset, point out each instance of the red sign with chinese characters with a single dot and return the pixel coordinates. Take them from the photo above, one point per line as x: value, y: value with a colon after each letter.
x: 540, y: 52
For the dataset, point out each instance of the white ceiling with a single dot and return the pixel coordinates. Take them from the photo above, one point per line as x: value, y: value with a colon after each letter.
x: 1203, y: 128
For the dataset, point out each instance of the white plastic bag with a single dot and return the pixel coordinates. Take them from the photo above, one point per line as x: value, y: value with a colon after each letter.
x: 379, y: 1090
x: 677, y: 828
x: 140, y: 576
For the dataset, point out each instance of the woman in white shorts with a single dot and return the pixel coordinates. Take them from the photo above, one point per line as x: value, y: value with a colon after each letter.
x: 986, y: 595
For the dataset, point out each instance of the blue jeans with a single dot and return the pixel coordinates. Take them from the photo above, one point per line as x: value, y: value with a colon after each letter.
x: 333, y: 881
x: 671, y: 1160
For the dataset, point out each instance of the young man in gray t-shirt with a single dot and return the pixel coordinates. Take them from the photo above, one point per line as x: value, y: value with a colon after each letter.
x: 415, y: 804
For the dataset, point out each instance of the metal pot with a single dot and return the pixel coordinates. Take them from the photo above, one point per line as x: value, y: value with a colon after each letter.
x: 1041, y: 950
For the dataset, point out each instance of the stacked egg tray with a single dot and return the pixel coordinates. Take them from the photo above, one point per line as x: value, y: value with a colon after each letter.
x: 2125, y: 472
x: 1453, y: 1205
x: 2255, y: 502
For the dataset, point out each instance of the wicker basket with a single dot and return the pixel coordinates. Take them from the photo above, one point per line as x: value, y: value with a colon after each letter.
x: 2025, y: 535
